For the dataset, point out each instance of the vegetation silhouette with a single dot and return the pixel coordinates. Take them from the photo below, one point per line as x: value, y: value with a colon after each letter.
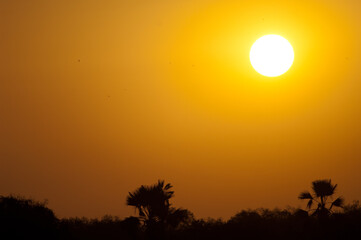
x: 155, y: 211
x: 108, y: 227
x: 322, y: 191
x: 22, y: 218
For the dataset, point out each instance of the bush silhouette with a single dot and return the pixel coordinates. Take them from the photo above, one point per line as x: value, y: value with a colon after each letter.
x: 22, y: 218
x: 108, y: 227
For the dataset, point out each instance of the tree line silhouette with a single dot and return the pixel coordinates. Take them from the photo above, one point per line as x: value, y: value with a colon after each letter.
x: 22, y: 218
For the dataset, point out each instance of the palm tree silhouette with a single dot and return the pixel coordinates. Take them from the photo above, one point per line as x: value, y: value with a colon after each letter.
x: 152, y: 202
x: 155, y: 211
x: 322, y: 191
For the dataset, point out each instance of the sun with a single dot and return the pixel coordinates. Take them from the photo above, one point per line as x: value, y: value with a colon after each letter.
x: 271, y: 55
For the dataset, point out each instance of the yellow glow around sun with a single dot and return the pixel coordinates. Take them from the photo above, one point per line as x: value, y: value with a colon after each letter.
x: 271, y: 55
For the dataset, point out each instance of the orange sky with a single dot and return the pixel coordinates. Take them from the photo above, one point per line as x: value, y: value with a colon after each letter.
x: 99, y: 97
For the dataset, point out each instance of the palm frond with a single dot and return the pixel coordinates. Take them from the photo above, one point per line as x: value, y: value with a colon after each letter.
x: 131, y: 200
x: 323, y: 187
x: 309, y: 204
x: 339, y: 202
x: 160, y: 184
x: 305, y: 195
x: 168, y: 186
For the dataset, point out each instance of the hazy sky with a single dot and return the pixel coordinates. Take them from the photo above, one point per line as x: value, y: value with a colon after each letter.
x: 99, y: 97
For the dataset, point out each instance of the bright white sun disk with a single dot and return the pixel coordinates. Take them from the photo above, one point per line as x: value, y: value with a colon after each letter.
x: 271, y: 55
